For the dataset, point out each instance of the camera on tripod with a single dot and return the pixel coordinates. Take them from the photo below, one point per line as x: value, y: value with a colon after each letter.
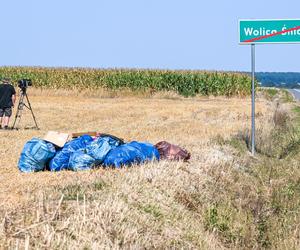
x: 24, y: 102
x: 24, y: 83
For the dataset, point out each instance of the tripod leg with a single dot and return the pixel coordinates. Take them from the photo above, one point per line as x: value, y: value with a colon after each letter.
x: 33, y: 116
x: 19, y: 112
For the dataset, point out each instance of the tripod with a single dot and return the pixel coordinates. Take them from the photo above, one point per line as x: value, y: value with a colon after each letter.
x: 21, y: 106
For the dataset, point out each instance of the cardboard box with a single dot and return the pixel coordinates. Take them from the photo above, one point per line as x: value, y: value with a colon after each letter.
x: 58, y: 139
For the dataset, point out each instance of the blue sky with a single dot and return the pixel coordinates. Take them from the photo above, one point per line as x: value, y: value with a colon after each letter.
x: 167, y: 34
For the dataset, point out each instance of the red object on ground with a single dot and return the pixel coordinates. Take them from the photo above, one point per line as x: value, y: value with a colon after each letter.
x: 172, y: 152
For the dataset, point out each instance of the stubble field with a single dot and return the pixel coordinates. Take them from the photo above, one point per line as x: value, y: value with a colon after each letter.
x: 132, y: 206
x: 191, y: 123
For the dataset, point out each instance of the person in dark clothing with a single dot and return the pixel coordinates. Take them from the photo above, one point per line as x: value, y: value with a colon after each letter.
x: 7, y: 102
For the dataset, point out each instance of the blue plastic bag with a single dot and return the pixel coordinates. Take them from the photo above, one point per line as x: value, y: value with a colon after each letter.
x: 61, y: 159
x: 131, y: 153
x: 99, y: 148
x: 149, y: 151
x: 79, y: 161
x: 35, y: 155
x: 78, y: 143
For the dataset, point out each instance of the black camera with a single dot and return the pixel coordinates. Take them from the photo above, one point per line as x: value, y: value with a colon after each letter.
x: 24, y: 83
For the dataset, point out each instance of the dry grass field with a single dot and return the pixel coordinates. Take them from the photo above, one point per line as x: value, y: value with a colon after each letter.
x: 191, y: 123
x: 140, y: 207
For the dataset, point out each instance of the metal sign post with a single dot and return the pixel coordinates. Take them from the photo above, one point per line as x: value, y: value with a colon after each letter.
x: 266, y: 31
x: 253, y: 99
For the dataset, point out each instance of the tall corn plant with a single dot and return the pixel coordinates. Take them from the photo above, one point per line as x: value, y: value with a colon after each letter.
x: 186, y: 83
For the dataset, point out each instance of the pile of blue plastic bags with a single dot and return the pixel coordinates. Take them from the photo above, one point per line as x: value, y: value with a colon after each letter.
x: 84, y: 153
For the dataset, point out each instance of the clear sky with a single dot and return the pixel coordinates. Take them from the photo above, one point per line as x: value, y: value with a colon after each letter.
x: 168, y: 34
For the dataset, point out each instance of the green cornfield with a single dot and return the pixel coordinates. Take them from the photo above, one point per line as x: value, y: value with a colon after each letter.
x: 186, y: 83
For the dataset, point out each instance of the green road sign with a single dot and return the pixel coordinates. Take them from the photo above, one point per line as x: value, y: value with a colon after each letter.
x: 269, y: 31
